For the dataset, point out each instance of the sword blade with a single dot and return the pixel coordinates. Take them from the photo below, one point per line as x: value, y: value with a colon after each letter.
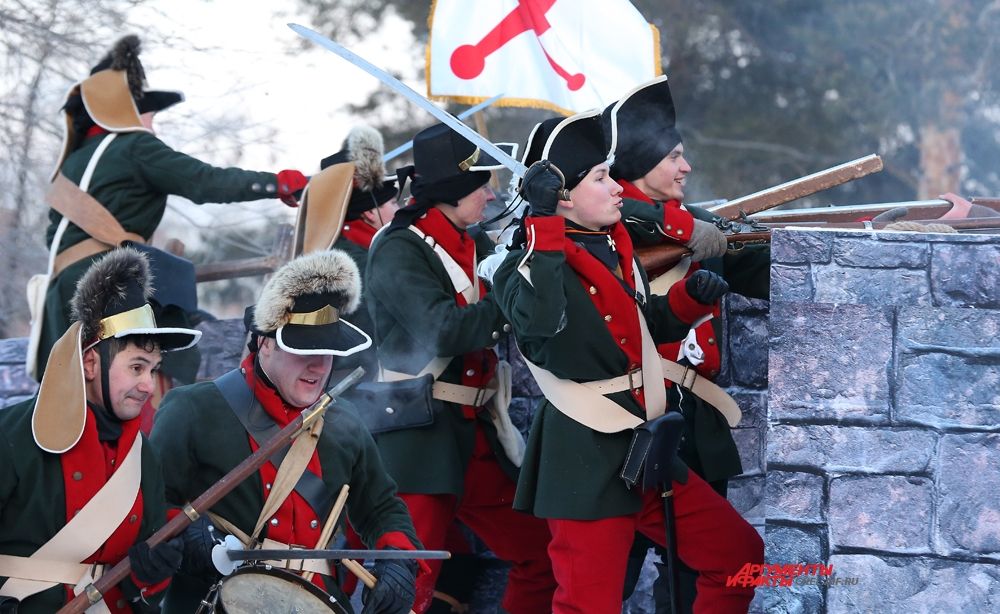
x: 268, y: 555
x: 405, y: 147
x: 445, y: 117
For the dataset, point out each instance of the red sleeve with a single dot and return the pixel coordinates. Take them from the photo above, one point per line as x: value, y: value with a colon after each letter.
x: 399, y: 540
x: 548, y: 232
x: 678, y: 224
x: 684, y: 307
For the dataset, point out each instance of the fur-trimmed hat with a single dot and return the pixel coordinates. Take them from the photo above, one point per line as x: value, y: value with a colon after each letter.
x: 365, y: 148
x: 301, y: 305
x: 113, y: 96
x: 645, y: 123
x: 111, y: 301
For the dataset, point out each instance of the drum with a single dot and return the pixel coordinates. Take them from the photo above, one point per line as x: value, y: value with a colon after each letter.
x: 262, y: 589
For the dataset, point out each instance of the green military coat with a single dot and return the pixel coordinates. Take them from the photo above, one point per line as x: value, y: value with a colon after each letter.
x: 575, y: 320
x: 412, y: 302
x: 201, y: 439
x: 133, y: 178
x: 33, y: 498
x: 708, y: 446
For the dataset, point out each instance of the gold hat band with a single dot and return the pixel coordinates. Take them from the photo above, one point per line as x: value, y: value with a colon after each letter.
x: 140, y: 317
x: 324, y: 315
x: 469, y: 162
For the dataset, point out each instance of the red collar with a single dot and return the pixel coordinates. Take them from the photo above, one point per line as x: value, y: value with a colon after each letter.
x: 359, y: 233
x: 630, y: 191
x: 95, y: 131
x: 270, y: 400
x: 457, y: 243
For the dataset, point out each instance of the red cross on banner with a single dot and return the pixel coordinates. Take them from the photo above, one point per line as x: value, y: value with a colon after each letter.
x: 564, y: 55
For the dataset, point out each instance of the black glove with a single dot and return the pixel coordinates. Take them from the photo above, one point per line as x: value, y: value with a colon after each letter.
x: 395, y: 589
x: 542, y: 187
x: 154, y: 565
x: 199, y: 539
x: 706, y: 287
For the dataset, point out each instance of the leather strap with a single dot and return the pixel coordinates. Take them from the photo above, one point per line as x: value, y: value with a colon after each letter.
x: 661, y: 284
x: 85, y: 211
x: 261, y: 427
x: 687, y: 377
x: 444, y: 391
x: 78, y: 251
x: 463, y: 285
x: 44, y: 570
x: 85, y: 532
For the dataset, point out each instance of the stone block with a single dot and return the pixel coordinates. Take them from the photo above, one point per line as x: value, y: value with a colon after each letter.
x: 753, y: 404
x: 738, y: 304
x: 12, y: 351
x: 13, y: 380
x: 866, y: 253
x: 968, y: 483
x: 522, y: 410
x: 850, y: 285
x: 748, y: 442
x: 829, y: 362
x: 794, y: 496
x: 944, y: 389
x: 954, y: 327
x: 891, y: 513
x: 791, y: 283
x: 800, y: 247
x: 7, y: 401
x: 522, y: 384
x: 966, y: 275
x: 748, y: 350
x: 912, y: 584
x: 847, y: 449
x: 791, y: 545
x: 221, y: 345
x: 747, y: 496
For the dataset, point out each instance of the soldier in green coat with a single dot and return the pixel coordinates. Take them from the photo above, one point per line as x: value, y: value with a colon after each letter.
x: 111, y: 153
x: 81, y: 488
x: 432, y: 315
x: 204, y: 430
x: 587, y: 326
x: 652, y: 173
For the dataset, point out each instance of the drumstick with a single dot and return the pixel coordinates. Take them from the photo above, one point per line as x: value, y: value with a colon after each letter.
x: 331, y: 522
x: 363, y: 574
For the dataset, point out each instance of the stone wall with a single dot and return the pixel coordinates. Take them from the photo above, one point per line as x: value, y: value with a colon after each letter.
x: 884, y: 420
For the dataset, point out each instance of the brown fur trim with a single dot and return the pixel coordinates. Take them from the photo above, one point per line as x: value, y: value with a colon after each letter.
x: 366, y: 148
x: 125, y: 56
x: 330, y: 271
x: 106, y: 279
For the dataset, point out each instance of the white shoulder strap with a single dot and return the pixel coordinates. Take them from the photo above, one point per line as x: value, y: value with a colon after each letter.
x: 461, y: 281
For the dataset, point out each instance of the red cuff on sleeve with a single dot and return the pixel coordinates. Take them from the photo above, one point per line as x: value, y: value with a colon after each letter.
x: 149, y: 589
x: 399, y: 540
x: 548, y: 231
x: 684, y: 307
x: 678, y: 223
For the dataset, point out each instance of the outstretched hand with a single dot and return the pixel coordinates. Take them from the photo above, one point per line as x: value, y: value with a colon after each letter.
x: 290, y: 185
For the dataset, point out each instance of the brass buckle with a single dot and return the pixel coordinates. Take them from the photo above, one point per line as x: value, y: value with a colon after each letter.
x: 632, y: 385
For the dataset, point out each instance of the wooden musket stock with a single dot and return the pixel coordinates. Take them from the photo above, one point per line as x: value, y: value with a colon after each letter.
x: 669, y: 254
x: 799, y: 188
x: 217, y: 491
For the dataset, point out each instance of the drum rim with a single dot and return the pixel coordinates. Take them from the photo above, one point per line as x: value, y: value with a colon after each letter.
x: 329, y: 600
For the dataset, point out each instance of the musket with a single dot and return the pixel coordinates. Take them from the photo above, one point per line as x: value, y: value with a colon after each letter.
x: 992, y: 203
x: 192, y: 511
x: 924, y: 209
x: 669, y: 254
x: 971, y: 223
x: 799, y: 188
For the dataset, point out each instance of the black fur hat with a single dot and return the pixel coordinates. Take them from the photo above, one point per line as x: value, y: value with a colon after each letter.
x: 645, y: 121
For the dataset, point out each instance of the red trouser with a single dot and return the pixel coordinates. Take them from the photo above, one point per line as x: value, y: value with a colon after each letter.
x: 589, y: 556
x: 485, y: 508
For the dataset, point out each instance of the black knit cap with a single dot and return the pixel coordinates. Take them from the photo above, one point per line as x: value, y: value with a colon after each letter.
x: 645, y: 121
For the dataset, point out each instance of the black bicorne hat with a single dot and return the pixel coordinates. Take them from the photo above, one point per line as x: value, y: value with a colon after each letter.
x: 645, y: 122
x: 302, y: 304
x: 574, y: 144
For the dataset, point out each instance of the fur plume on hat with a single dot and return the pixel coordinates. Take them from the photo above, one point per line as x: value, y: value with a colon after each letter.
x: 366, y: 148
x: 125, y: 56
x: 331, y: 271
x: 107, y: 280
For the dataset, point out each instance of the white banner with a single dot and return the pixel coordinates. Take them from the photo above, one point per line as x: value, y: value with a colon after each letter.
x: 564, y: 55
